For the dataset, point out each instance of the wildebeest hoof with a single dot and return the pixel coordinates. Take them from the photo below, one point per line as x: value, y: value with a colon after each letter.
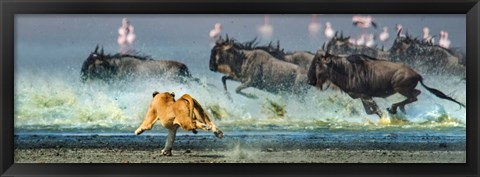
x: 391, y: 111
x: 166, y: 152
x: 403, y: 110
x: 194, y: 131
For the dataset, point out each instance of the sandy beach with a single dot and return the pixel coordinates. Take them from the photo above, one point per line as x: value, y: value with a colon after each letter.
x: 263, y: 148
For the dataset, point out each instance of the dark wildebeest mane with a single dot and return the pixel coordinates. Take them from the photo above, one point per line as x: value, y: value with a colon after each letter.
x: 253, y: 45
x: 421, y: 44
x: 348, y: 48
x: 135, y: 56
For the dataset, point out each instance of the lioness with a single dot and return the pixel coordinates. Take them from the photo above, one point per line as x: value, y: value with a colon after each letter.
x: 186, y: 112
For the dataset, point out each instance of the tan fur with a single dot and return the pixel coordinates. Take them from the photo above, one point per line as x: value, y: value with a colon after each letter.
x: 185, y: 112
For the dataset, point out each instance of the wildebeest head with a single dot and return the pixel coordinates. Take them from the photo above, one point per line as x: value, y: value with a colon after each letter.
x: 339, y: 45
x: 318, y: 71
x: 223, y: 56
x: 95, y: 66
x: 402, y: 43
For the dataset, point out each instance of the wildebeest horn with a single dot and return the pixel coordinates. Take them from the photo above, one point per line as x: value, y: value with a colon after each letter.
x: 219, y: 41
x: 96, y: 49
x: 101, y: 51
x: 399, y: 31
x: 227, y: 37
x: 341, y: 34
x: 323, y: 46
x: 278, y: 45
x: 336, y: 32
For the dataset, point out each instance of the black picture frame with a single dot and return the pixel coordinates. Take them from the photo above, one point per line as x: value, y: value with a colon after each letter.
x: 11, y: 7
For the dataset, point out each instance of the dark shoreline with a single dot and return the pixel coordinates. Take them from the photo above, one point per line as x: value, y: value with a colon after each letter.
x: 278, y: 141
x: 271, y: 148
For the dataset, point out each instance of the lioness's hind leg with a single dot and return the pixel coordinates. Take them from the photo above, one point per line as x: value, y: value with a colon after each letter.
x: 167, y: 150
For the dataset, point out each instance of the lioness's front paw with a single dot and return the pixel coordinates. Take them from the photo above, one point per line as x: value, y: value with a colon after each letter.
x: 138, y: 131
x: 218, y: 134
x: 166, y: 152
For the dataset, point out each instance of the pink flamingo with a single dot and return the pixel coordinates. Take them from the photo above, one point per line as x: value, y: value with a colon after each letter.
x: 126, y: 35
x: 444, y: 41
x: 384, y: 36
x: 131, y: 36
x: 329, y: 32
x: 399, y: 29
x: 370, y: 40
x: 361, y: 40
x: 427, y: 37
x: 313, y: 26
x: 266, y: 30
x: 363, y: 22
x: 215, y: 32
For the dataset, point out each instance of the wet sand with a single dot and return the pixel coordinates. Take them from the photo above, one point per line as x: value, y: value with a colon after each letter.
x: 266, y: 148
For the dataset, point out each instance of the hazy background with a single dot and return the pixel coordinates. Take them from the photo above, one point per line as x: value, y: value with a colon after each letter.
x: 66, y: 40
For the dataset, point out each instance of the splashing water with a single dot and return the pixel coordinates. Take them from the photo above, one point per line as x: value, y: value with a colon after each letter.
x: 65, y: 105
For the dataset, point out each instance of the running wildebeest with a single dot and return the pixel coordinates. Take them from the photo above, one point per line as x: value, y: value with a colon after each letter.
x: 365, y: 77
x: 107, y: 67
x: 340, y: 45
x: 256, y: 68
x: 423, y: 55
x: 300, y: 58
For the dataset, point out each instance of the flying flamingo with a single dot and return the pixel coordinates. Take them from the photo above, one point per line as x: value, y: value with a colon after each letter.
x: 313, y: 26
x: 363, y: 22
x: 329, y: 32
x: 266, y: 30
x: 384, y: 36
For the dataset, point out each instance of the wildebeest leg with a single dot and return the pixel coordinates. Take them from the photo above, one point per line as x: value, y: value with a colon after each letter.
x: 224, y: 81
x: 367, y: 107
x: 244, y: 86
x: 370, y: 102
x: 411, y: 97
x: 167, y: 150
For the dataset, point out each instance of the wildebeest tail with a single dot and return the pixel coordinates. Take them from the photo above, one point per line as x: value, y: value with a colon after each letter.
x: 440, y: 94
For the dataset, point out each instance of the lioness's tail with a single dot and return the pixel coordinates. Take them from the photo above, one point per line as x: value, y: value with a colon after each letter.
x: 201, y: 112
x: 439, y: 94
